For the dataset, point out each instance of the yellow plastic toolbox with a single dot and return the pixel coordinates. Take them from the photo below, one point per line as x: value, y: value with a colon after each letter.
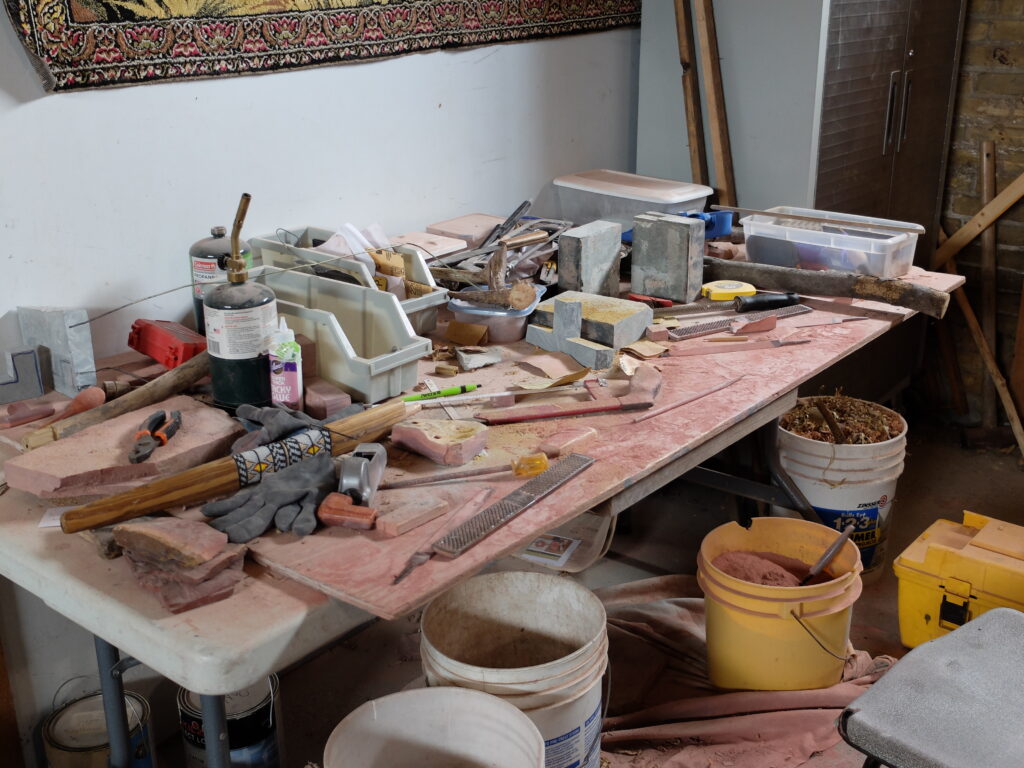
x: 955, y: 572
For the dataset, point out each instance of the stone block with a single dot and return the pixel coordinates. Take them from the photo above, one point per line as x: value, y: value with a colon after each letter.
x: 450, y: 442
x: 98, y: 455
x: 605, y: 320
x: 565, y: 336
x: 20, y: 378
x: 323, y: 398
x: 668, y: 256
x: 588, y: 258
x: 170, y: 542
x: 65, y: 335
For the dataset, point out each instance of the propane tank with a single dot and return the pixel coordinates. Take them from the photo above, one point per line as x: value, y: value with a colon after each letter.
x: 208, y: 259
x: 240, y: 318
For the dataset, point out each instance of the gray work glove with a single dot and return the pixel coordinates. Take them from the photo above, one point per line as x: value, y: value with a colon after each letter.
x: 272, y: 423
x: 288, y: 499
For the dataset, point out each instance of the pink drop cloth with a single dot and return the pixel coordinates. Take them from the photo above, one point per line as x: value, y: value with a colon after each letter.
x: 663, y: 711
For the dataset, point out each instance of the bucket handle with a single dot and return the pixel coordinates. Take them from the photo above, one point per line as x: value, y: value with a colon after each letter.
x: 816, y: 639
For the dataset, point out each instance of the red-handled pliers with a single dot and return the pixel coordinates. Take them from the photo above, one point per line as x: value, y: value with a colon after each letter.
x: 154, y: 432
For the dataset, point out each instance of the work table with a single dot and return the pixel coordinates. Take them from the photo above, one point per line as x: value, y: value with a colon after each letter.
x: 277, y: 616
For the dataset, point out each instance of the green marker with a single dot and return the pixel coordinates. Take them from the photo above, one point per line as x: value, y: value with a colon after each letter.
x: 442, y: 392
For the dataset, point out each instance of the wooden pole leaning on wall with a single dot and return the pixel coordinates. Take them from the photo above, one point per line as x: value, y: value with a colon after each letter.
x: 721, y: 150
x: 981, y: 221
x: 989, y: 414
x: 691, y: 93
x: 987, y: 358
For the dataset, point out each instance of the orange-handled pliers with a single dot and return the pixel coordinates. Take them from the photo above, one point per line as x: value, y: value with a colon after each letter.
x: 154, y: 432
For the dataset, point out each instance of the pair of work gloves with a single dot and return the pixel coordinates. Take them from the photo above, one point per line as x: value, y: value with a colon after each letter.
x: 287, y: 499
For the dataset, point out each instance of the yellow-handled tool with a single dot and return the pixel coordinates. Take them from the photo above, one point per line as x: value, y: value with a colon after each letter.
x: 522, y: 466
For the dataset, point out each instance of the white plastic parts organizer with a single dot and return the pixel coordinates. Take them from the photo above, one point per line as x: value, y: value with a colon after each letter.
x: 364, y: 342
x: 863, y: 247
x: 421, y: 310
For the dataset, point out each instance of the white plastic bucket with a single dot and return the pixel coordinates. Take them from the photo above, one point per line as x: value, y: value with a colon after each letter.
x: 435, y: 728
x: 849, y: 484
x: 535, y: 640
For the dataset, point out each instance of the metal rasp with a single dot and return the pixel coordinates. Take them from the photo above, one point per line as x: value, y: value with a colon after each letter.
x: 481, y: 525
x: 714, y: 326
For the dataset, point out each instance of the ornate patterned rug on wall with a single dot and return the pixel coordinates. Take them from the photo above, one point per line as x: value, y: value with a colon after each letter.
x: 96, y: 43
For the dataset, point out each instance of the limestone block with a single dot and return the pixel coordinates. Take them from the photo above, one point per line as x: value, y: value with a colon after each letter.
x: 588, y: 258
x: 605, y: 320
x: 20, y: 378
x: 668, y: 256
x: 65, y: 335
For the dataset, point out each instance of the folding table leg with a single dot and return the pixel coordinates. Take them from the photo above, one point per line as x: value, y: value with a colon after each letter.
x: 112, y: 689
x: 215, y: 731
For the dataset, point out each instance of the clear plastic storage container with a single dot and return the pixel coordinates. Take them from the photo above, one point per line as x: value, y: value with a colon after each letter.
x: 864, y: 247
x: 617, y: 196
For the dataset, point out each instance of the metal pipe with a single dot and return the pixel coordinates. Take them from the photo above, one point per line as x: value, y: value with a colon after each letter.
x: 215, y: 731
x: 114, y: 713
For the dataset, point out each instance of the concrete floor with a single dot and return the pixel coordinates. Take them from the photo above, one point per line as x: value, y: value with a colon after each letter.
x: 940, y: 479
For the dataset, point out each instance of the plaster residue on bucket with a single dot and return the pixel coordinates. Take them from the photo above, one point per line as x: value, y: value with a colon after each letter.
x: 767, y: 568
x: 490, y: 641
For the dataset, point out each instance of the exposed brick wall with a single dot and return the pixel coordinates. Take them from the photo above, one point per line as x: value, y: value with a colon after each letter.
x: 989, y: 106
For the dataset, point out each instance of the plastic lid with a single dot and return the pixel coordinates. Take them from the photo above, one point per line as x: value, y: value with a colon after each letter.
x: 634, y: 187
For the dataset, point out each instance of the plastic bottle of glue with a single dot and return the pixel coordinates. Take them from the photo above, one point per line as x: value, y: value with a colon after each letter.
x: 285, y: 367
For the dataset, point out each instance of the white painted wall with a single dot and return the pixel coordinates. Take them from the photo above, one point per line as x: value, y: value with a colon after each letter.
x: 103, y: 192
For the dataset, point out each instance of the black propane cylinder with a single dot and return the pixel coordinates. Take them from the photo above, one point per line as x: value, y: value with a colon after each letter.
x: 240, y: 318
x: 208, y: 261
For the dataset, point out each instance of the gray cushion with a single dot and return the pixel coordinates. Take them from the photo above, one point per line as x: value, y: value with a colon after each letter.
x: 955, y: 702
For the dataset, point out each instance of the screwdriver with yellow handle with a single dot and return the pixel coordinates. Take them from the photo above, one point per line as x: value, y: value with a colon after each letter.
x: 521, y: 466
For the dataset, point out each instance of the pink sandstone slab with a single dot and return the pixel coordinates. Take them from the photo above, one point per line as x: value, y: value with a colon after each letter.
x: 170, y: 541
x: 98, y: 455
x: 450, y: 442
x: 160, y: 574
x: 405, y: 509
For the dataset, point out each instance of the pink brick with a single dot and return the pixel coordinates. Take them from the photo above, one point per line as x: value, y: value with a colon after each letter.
x: 324, y: 398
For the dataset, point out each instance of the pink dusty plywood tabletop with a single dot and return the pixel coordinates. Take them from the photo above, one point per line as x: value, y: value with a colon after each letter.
x: 359, y: 568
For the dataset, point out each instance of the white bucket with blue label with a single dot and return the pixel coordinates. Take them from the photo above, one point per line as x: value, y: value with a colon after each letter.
x: 252, y: 716
x: 535, y: 640
x: 849, y: 484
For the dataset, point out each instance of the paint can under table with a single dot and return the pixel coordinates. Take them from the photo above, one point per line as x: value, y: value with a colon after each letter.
x: 252, y: 726
x: 75, y: 735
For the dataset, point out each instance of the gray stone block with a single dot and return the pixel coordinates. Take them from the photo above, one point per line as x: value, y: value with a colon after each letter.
x: 565, y: 336
x: 588, y: 258
x: 65, y: 335
x: 606, y: 320
x: 668, y: 256
x: 20, y: 378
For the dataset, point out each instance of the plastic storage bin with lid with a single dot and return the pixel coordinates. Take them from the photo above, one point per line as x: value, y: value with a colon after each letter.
x: 863, y: 247
x: 955, y: 572
x: 618, y: 196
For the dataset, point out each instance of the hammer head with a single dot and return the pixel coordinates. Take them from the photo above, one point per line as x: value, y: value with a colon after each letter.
x: 643, y: 389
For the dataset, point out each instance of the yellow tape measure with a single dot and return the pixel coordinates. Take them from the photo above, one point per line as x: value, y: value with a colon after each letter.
x: 726, y: 290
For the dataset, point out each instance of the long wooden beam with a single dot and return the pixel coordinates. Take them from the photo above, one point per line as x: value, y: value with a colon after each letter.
x: 981, y: 221
x: 721, y: 149
x: 691, y: 93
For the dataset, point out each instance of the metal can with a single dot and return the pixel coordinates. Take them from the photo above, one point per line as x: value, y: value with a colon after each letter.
x: 75, y: 735
x: 208, y: 261
x: 252, y: 716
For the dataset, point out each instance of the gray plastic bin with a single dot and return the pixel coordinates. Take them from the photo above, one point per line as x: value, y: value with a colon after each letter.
x: 421, y: 310
x: 364, y: 342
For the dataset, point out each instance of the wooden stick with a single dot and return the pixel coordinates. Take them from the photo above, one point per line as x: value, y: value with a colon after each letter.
x: 458, y: 275
x: 901, y: 293
x: 714, y: 93
x: 838, y: 433
x: 519, y: 296
x: 989, y: 414
x: 818, y: 219
x: 216, y: 478
x: 982, y: 220
x: 988, y: 359
x: 1017, y: 367
x: 691, y: 93
x: 171, y: 383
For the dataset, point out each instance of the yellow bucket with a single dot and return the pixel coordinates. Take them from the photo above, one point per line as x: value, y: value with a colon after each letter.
x: 770, y: 638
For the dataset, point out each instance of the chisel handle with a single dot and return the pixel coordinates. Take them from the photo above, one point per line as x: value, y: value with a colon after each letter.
x: 762, y: 301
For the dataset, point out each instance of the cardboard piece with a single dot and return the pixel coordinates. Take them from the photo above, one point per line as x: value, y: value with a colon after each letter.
x: 469, y: 334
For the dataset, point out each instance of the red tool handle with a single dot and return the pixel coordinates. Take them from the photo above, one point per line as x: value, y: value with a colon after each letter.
x: 151, y: 424
x: 533, y: 412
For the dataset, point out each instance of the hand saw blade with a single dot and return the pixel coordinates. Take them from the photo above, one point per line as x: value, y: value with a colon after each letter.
x: 483, y: 524
x: 714, y: 326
